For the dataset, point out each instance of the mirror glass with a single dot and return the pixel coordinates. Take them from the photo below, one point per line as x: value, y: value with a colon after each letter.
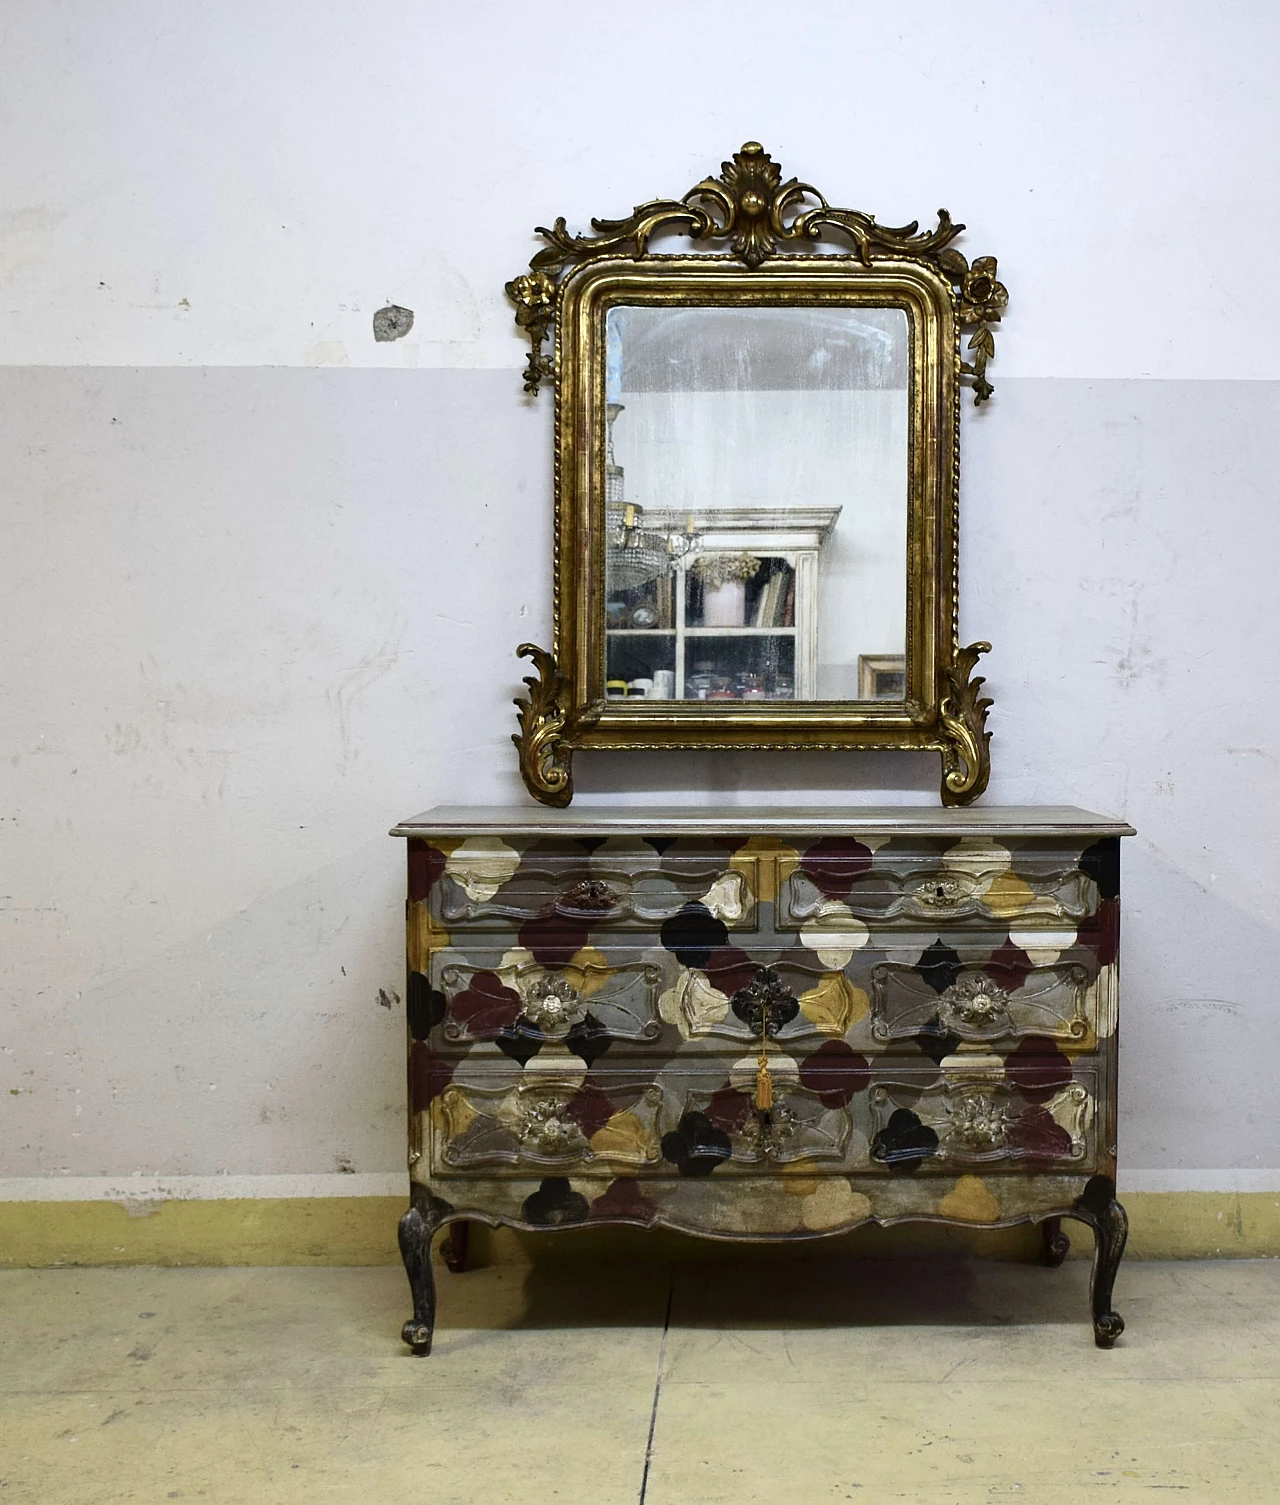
x: 756, y: 501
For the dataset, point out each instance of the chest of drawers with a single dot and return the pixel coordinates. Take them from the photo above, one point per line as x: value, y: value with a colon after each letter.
x: 762, y: 1025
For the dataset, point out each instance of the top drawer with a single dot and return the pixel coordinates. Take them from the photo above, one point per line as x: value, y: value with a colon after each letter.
x: 620, y: 884
x: 936, y: 882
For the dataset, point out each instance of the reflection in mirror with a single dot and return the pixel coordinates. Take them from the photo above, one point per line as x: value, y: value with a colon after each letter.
x: 756, y: 501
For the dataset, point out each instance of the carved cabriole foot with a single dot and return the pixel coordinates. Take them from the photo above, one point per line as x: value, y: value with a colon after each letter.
x: 966, y: 746
x: 455, y: 1246
x: 1098, y: 1207
x: 546, y: 759
x: 1056, y: 1243
x: 416, y: 1233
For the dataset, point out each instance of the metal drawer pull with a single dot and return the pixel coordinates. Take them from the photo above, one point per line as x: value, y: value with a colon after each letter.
x: 765, y: 1005
x: 587, y: 896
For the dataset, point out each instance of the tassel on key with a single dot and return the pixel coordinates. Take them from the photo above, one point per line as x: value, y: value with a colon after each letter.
x: 764, y: 1085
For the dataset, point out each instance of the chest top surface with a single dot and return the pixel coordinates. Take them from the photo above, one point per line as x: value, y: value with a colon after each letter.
x: 710, y: 820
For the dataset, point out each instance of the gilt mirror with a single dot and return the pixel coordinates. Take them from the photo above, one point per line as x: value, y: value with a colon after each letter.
x: 757, y: 470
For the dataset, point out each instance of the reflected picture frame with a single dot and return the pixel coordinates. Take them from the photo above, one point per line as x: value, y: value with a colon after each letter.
x: 566, y: 298
x: 881, y: 676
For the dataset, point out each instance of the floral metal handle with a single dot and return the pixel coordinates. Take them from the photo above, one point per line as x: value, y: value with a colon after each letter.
x: 977, y: 1121
x: 545, y: 1130
x: 590, y: 896
x: 765, y: 1005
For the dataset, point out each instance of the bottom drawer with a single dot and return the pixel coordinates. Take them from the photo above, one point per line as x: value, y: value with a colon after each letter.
x: 837, y: 1114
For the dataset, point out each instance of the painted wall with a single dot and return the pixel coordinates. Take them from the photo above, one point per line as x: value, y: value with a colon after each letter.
x: 262, y: 577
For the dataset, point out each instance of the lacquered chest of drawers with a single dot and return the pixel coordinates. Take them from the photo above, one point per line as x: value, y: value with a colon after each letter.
x: 762, y: 1025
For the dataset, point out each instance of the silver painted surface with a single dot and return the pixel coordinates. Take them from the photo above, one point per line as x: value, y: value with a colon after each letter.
x: 984, y: 820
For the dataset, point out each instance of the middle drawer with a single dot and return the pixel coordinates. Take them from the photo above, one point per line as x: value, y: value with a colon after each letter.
x: 642, y: 1000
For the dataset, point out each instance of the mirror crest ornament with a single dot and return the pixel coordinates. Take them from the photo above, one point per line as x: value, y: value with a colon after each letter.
x: 895, y: 309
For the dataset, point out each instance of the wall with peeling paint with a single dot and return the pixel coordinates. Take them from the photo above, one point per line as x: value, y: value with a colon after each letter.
x: 255, y: 610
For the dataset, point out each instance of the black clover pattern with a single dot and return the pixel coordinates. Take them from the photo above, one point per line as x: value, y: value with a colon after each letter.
x: 1101, y: 862
x: 425, y: 1006
x: 588, y: 1038
x: 522, y: 1040
x: 766, y: 1004
x: 935, y: 1042
x: 555, y: 1204
x: 939, y: 965
x: 903, y: 1142
x: 695, y: 1147
x: 692, y: 934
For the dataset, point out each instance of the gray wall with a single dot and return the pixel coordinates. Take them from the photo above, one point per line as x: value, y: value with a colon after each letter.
x: 254, y: 612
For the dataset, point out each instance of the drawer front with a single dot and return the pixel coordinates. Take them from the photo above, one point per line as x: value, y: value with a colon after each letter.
x: 675, y: 1124
x: 522, y: 1006
x: 931, y: 883
x: 935, y: 994
x: 538, y: 1126
x: 652, y: 1000
x: 989, y: 1124
x: 625, y: 1000
x: 833, y: 1113
x: 580, y: 888
x: 646, y: 1000
x: 980, y: 1002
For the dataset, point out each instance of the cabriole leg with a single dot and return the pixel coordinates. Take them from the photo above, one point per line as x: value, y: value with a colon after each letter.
x: 1098, y: 1207
x: 1056, y: 1243
x: 455, y: 1246
x: 1110, y: 1233
x: 416, y: 1233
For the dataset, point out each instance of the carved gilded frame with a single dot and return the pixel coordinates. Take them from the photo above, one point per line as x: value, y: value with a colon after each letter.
x: 570, y: 287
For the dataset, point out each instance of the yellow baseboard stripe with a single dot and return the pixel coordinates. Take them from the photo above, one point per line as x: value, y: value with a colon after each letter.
x: 362, y: 1231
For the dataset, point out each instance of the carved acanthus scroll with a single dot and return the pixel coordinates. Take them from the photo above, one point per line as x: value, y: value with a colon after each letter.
x: 966, y: 751
x: 751, y: 207
x: 546, y: 759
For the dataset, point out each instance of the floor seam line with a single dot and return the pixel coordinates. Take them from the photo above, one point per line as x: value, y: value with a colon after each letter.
x: 657, y: 1391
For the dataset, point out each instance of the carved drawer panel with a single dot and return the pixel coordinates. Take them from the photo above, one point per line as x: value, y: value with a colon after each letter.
x: 831, y: 1114
x: 547, y: 1127
x: 624, y: 1001
x: 585, y: 887
x: 879, y: 998
x: 719, y: 1127
x: 908, y: 1002
x: 680, y: 1124
x: 516, y: 1002
x: 655, y: 1001
x: 993, y: 1123
x: 794, y: 995
x: 836, y: 879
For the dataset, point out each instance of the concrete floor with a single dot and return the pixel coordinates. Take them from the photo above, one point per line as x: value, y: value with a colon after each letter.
x: 787, y: 1381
